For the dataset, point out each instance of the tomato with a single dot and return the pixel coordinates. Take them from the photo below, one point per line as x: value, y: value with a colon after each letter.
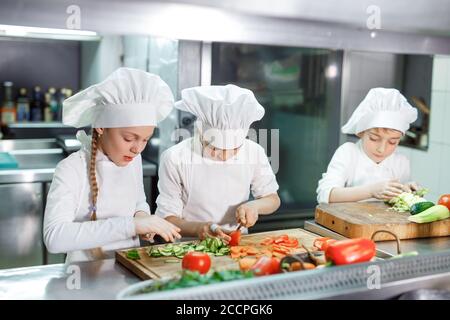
x: 266, y: 266
x: 235, y: 238
x: 276, y: 265
x: 445, y: 200
x: 196, y: 261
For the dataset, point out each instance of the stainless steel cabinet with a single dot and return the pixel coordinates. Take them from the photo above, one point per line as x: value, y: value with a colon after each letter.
x: 21, y: 213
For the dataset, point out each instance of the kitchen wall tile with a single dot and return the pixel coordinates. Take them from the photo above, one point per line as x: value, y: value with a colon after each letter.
x: 444, y: 184
x: 437, y: 117
x: 441, y: 69
x: 426, y: 166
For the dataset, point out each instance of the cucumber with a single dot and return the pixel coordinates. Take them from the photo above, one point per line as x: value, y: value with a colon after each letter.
x: 420, y: 207
x: 435, y: 213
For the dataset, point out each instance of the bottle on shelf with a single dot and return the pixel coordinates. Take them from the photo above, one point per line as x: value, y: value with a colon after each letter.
x: 48, y: 117
x: 7, y: 108
x: 23, y: 106
x: 53, y: 104
x: 60, y: 97
x: 37, y: 107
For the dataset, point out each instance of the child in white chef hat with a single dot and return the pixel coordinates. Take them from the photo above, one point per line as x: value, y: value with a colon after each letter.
x: 96, y: 203
x: 205, y: 181
x: 371, y: 168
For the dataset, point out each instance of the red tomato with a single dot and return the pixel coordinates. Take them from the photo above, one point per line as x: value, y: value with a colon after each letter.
x: 275, y: 265
x: 445, y: 200
x: 266, y: 266
x: 235, y: 238
x: 196, y: 261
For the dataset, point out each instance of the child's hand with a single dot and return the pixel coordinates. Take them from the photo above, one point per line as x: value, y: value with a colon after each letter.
x: 149, y: 225
x: 247, y: 215
x: 387, y: 190
x: 210, y: 229
x: 412, y: 186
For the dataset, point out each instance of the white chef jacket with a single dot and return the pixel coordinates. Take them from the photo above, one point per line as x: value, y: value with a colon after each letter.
x: 196, y: 188
x: 67, y: 225
x: 350, y: 167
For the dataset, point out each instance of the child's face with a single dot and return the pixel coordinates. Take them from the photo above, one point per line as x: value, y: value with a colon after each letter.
x: 121, y: 145
x: 218, y: 154
x: 380, y: 143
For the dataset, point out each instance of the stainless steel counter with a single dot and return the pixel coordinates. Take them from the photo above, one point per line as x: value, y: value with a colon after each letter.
x: 97, y: 280
x: 105, y: 279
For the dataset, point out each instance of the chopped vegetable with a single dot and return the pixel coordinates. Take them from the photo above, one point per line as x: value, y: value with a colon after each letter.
x: 235, y: 238
x: 323, y: 243
x: 210, y: 245
x: 196, y: 261
x: 246, y: 263
x: 435, y: 213
x: 193, y: 279
x: 266, y: 266
x: 133, y: 254
x: 406, y: 254
x: 350, y: 251
x: 406, y: 200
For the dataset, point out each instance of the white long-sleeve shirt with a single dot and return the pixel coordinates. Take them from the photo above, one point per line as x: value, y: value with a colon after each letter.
x: 197, y: 188
x: 350, y: 167
x: 67, y: 225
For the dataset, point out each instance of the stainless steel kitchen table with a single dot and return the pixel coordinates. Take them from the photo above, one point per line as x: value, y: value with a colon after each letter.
x: 97, y: 280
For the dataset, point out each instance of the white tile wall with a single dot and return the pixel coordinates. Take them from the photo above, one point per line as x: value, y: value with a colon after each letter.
x: 431, y: 168
x: 437, y: 117
x: 441, y: 77
x: 426, y: 166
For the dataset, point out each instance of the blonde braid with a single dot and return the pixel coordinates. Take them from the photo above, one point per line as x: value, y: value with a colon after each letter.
x: 97, y: 253
x: 92, y: 177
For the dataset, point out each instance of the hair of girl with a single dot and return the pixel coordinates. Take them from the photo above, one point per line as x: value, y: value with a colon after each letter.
x: 97, y: 253
x: 92, y: 176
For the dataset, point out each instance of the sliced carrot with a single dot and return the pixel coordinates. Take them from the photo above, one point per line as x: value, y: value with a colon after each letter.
x: 267, y: 241
x: 246, y: 263
x: 278, y: 254
x: 308, y: 266
x: 252, y: 251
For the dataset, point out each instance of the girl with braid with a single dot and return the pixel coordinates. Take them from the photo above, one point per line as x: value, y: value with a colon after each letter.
x: 96, y: 203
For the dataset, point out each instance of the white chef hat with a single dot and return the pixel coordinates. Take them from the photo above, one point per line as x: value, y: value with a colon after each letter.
x: 225, y: 113
x: 381, y: 108
x: 127, y: 98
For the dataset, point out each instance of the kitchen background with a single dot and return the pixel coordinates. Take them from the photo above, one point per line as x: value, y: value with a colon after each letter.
x: 309, y: 74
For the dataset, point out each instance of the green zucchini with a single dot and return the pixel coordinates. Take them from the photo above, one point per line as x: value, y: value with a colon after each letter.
x: 420, y: 207
x: 435, y: 213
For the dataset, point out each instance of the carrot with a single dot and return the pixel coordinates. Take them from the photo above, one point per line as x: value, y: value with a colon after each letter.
x: 252, y: 251
x: 246, y: 263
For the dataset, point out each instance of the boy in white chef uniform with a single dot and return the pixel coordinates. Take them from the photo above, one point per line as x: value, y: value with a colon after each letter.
x: 96, y: 203
x: 371, y: 168
x: 205, y: 181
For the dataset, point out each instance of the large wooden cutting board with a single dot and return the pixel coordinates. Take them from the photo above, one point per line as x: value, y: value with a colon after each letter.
x: 362, y: 219
x: 154, y: 268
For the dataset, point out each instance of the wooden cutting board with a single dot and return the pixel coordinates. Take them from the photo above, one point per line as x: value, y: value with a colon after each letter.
x: 362, y: 219
x: 154, y: 268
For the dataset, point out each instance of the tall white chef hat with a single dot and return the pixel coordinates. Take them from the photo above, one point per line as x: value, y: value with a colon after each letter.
x: 127, y: 98
x: 381, y: 108
x: 225, y: 113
